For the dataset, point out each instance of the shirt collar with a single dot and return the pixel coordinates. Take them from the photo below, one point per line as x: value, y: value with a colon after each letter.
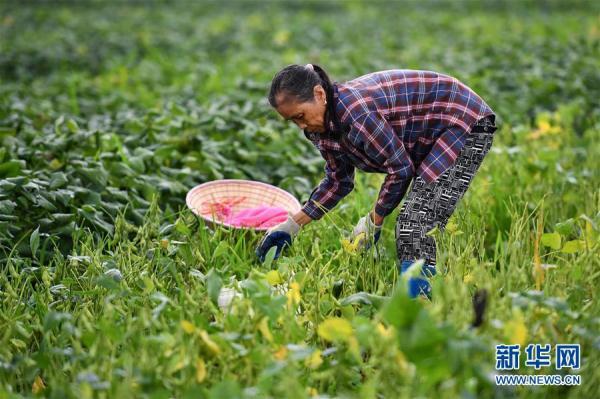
x: 329, y: 119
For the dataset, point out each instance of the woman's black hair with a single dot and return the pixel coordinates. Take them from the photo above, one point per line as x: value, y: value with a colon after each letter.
x: 298, y: 81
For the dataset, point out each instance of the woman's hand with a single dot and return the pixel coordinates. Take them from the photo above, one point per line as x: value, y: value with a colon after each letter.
x: 378, y: 220
x: 368, y: 231
x: 278, y: 236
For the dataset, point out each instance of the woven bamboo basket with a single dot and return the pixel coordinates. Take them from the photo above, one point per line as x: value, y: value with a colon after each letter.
x: 241, y: 194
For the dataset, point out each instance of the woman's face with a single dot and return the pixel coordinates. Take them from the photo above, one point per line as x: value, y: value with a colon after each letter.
x: 308, y: 115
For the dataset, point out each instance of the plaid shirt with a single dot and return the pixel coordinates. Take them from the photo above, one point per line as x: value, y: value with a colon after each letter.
x: 401, y: 122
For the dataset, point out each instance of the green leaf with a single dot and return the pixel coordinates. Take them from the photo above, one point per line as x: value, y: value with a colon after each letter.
x: 568, y: 228
x: 96, y: 219
x: 433, y: 232
x: 270, y: 256
x: 425, y: 334
x: 11, y: 168
x: 551, y: 240
x: 401, y: 311
x: 44, y: 203
x: 58, y: 180
x: 213, y: 286
x: 53, y: 319
x: 7, y: 131
x: 225, y: 389
x: 221, y: 249
x: 7, y: 207
x: 364, y: 298
x: 34, y: 241
x: 59, y: 121
x: 72, y: 126
x: 107, y: 282
x: 182, y: 228
x: 573, y: 246
x: 137, y: 164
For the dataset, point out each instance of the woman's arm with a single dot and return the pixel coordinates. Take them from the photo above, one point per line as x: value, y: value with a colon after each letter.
x: 338, y: 182
x: 302, y: 218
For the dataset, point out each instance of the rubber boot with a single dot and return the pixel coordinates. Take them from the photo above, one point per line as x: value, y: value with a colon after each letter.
x: 418, y: 285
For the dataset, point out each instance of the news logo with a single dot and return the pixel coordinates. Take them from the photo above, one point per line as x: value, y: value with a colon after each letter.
x: 538, y: 356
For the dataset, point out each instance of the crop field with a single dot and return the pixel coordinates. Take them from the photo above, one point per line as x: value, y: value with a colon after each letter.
x: 109, y: 285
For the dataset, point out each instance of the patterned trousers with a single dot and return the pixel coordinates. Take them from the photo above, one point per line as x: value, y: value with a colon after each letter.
x: 430, y: 205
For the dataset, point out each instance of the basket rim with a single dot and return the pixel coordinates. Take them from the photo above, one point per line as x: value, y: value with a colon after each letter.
x: 243, y: 181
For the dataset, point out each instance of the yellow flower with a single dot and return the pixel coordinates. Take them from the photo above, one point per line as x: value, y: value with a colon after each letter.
x: 281, y: 353
x: 38, y: 385
x: 293, y: 294
x: 401, y: 361
x: 515, y: 330
x: 335, y: 328
x: 545, y: 127
x: 468, y: 278
x: 352, y: 247
x: 273, y: 277
x: 55, y: 164
x: 314, y: 360
x: 263, y: 327
x: 200, y: 370
x: 281, y: 37
x: 187, y: 326
x: 210, y: 344
x: 451, y: 227
x: 384, y: 332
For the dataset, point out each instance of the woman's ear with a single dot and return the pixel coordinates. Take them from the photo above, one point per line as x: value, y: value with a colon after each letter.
x: 319, y: 93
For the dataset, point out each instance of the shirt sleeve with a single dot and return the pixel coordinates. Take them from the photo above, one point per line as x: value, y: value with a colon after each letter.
x: 384, y: 148
x: 338, y: 182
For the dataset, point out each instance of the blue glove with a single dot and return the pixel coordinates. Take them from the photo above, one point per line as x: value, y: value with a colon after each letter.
x: 419, y: 285
x: 375, y: 239
x: 279, y: 236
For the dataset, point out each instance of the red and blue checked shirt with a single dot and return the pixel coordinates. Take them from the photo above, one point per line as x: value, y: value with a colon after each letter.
x: 401, y: 122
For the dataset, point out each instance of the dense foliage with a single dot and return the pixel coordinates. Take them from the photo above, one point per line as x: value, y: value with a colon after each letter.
x: 110, y: 113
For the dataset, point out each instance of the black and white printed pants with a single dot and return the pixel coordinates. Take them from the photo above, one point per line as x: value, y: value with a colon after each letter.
x: 429, y: 205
